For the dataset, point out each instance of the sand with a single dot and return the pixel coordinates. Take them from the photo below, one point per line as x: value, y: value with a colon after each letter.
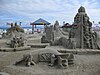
x: 84, y: 64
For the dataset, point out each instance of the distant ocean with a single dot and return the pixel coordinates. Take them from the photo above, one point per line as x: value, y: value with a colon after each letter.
x: 5, y: 28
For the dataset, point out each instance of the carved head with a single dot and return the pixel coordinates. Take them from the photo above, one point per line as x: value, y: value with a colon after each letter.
x: 81, y: 9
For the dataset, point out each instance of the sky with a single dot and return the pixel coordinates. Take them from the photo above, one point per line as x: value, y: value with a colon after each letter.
x: 28, y: 11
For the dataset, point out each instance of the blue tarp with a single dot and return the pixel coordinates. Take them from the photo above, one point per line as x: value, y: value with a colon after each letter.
x: 40, y: 22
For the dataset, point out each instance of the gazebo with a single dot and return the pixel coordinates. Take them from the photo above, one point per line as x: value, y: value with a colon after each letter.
x: 39, y: 22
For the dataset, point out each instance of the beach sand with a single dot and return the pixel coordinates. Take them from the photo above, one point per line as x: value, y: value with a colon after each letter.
x: 84, y: 64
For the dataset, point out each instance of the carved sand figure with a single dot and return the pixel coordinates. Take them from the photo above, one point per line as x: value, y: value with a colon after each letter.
x: 29, y: 60
x: 62, y: 63
x: 73, y: 44
x: 14, y: 43
x: 21, y: 41
x: 53, y: 59
x: 87, y: 38
x: 17, y: 42
x: 53, y: 33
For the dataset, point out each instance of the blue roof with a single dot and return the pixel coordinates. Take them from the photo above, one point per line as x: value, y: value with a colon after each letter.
x: 40, y: 22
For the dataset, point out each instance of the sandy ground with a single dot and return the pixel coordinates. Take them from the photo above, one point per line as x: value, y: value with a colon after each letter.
x: 84, y: 64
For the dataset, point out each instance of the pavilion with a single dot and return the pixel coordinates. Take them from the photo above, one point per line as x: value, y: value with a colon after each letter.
x: 39, y: 22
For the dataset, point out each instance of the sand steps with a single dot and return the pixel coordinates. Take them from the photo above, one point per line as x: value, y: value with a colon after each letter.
x: 80, y: 51
x: 15, y: 49
x: 38, y: 45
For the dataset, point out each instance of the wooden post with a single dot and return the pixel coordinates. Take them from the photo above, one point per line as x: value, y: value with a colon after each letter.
x: 44, y: 28
x: 32, y: 29
x: 35, y: 26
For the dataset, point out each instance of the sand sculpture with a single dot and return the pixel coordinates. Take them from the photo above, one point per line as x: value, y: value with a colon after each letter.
x: 14, y: 30
x: 28, y: 60
x: 3, y: 73
x: 48, y: 35
x: 80, y: 35
x: 53, y: 33
x: 16, y: 39
x: 17, y: 42
x: 82, y: 31
x: 52, y: 57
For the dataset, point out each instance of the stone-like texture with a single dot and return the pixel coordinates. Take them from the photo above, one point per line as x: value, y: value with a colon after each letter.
x: 81, y: 30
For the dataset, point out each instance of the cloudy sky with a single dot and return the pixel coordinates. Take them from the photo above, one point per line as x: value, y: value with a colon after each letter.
x: 50, y: 10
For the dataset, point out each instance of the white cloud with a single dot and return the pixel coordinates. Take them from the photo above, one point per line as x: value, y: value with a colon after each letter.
x: 62, y: 10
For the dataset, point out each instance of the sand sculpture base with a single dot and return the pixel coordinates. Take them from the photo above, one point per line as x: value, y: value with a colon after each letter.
x: 15, y: 49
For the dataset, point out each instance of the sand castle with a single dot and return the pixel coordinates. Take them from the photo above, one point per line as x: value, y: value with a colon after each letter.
x: 13, y: 30
x: 53, y: 33
x: 65, y: 52
x: 80, y: 35
x: 82, y: 31
x: 15, y: 39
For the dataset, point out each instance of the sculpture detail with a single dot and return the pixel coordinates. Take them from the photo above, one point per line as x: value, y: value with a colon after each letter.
x: 81, y: 30
x: 17, y: 42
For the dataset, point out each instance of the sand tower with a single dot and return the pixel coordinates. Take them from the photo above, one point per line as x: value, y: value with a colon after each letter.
x: 81, y: 30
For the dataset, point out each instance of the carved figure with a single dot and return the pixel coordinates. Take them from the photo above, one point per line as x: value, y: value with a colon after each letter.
x: 29, y: 60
